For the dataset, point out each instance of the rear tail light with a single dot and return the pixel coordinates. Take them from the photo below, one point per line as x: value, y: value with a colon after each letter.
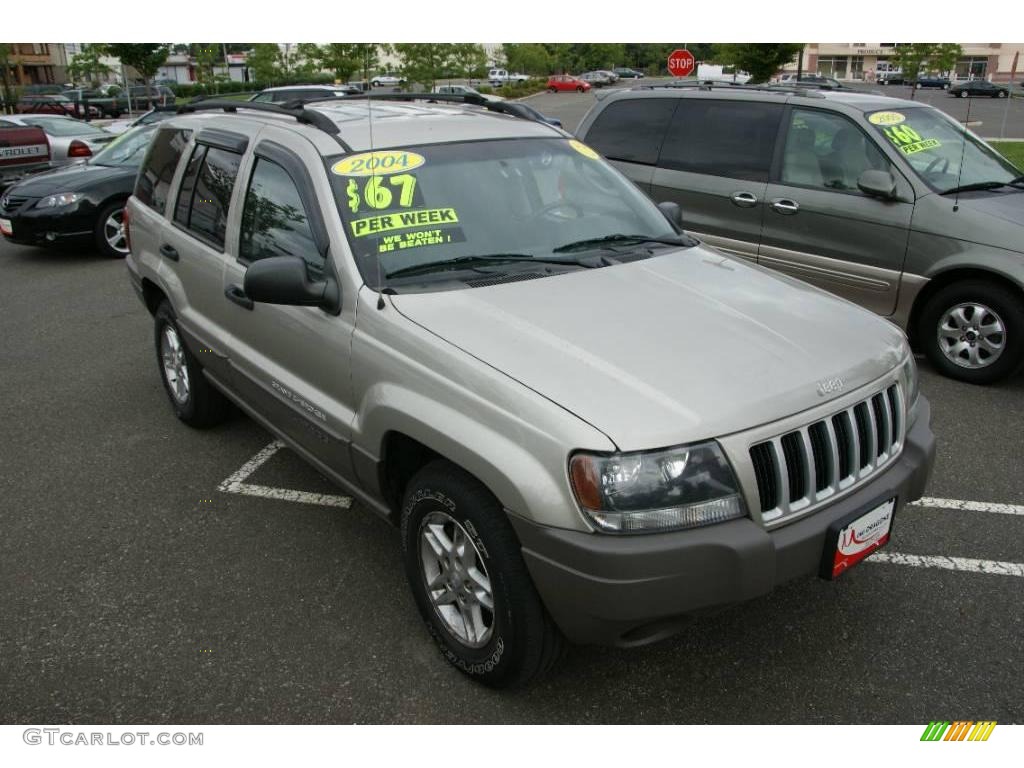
x: 127, y: 230
x: 79, y: 149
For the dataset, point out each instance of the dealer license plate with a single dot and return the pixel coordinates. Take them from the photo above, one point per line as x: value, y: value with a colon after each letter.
x: 857, y: 539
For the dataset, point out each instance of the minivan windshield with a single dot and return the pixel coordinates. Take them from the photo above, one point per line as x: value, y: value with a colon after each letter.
x: 939, y: 150
x: 424, y: 211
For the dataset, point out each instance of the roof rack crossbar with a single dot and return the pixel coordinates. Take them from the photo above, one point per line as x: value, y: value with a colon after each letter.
x: 300, y: 113
x: 504, y: 107
x: 810, y: 92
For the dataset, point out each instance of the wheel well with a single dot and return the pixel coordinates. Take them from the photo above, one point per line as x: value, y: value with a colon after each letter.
x: 401, y: 458
x: 943, y: 279
x: 152, y: 295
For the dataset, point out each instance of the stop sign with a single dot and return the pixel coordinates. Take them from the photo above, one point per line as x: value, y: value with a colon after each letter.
x: 680, y: 62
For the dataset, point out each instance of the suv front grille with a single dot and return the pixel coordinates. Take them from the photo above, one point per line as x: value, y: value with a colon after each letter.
x: 799, y: 470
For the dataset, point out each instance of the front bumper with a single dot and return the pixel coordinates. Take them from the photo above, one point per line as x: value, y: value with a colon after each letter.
x: 39, y: 226
x: 633, y: 590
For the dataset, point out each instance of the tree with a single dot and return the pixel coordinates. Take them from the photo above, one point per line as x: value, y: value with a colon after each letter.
x: 468, y: 60
x: 915, y: 58
x: 945, y: 56
x: 265, y: 62
x: 5, y: 77
x: 424, y: 63
x: 368, y: 57
x: 85, y: 66
x: 530, y: 58
x: 760, y: 60
x: 144, y: 58
x: 206, y: 55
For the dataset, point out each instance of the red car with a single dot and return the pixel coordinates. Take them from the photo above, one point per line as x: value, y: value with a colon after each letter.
x: 53, y: 105
x: 567, y: 83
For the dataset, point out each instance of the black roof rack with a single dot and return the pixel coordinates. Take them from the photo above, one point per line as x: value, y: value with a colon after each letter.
x: 303, y: 115
x: 796, y: 90
x: 504, y: 107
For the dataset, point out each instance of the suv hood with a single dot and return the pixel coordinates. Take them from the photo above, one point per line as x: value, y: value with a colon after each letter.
x: 667, y: 350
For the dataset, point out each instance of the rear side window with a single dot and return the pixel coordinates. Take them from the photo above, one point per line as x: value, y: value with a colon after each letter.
x: 154, y: 180
x: 632, y: 129
x: 274, y: 221
x: 205, y: 193
x: 733, y: 139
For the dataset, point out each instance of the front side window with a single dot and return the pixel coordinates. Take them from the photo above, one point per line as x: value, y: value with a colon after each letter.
x: 828, y: 151
x: 526, y: 198
x: 632, y: 129
x: 940, y: 151
x: 154, y: 181
x: 732, y: 139
x: 206, y: 193
x: 274, y: 221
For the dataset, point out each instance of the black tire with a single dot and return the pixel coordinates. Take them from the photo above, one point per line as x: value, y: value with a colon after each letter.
x: 552, y: 90
x: 203, y: 406
x: 963, y: 94
x: 524, y: 642
x: 1001, y: 300
x: 579, y: 89
x: 1001, y: 95
x: 99, y: 230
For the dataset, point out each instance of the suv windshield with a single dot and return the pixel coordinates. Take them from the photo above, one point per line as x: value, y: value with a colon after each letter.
x: 939, y: 149
x: 127, y: 149
x: 527, y: 197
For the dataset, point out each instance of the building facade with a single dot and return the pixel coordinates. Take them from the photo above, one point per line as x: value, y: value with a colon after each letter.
x: 999, y: 62
x: 37, y: 63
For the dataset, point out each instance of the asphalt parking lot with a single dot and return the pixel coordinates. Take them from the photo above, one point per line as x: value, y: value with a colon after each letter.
x: 990, y: 118
x: 150, y: 573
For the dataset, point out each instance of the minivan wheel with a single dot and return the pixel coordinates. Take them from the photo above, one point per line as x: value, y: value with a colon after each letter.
x: 470, y: 583
x: 195, y: 401
x: 973, y: 331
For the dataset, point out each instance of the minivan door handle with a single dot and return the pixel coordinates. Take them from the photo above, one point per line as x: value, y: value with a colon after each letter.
x: 169, y: 252
x: 785, y: 206
x: 744, y: 199
x: 237, y: 294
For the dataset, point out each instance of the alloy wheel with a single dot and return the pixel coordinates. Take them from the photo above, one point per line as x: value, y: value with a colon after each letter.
x: 113, y: 231
x: 172, y: 353
x: 971, y: 335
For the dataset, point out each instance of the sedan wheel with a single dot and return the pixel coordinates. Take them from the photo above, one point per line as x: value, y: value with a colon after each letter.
x: 1001, y: 95
x: 962, y: 94
x: 113, y: 232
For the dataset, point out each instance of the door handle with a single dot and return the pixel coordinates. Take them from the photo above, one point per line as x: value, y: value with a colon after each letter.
x: 169, y: 252
x: 744, y: 199
x: 237, y: 294
x: 785, y: 206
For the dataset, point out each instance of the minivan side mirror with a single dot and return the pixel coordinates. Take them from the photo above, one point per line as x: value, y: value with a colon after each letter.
x: 673, y: 213
x: 878, y: 184
x: 284, y: 280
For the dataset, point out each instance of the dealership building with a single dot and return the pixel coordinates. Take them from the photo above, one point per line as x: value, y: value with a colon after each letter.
x: 999, y: 62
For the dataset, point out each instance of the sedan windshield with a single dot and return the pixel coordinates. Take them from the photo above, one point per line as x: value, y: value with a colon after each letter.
x: 453, y: 207
x: 941, y: 151
x: 64, y: 126
x: 127, y: 149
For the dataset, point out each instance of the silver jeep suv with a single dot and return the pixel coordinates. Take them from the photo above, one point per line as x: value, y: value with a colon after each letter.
x: 586, y: 423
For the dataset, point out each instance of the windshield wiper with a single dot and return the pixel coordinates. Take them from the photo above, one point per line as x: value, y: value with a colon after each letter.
x: 981, y: 185
x: 619, y: 239
x: 462, y: 262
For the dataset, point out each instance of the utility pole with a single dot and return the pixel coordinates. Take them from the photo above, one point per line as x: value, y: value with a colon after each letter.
x: 800, y: 64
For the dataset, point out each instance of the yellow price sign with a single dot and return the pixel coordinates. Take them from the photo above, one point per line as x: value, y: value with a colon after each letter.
x: 378, y: 163
x: 583, y: 149
x: 886, y: 118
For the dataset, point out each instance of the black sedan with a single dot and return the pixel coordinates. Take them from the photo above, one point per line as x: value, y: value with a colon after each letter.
x: 979, y: 88
x: 81, y: 204
x: 932, y: 81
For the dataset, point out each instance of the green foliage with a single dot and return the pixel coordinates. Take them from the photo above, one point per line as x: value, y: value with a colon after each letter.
x: 425, y: 63
x: 144, y: 58
x: 760, y: 60
x: 265, y: 60
x: 85, y: 66
x: 368, y: 57
x: 916, y: 58
x: 528, y: 58
x: 517, y: 90
x: 468, y: 60
x: 1012, y: 151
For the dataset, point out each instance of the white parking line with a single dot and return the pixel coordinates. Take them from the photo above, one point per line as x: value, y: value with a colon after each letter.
x: 970, y: 506
x: 236, y: 484
x: 994, y: 567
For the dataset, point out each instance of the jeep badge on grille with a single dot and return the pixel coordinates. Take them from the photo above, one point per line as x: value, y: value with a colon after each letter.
x: 830, y: 386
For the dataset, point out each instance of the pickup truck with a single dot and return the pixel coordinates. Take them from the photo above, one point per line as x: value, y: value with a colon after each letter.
x: 23, y: 150
x: 502, y: 76
x: 110, y: 106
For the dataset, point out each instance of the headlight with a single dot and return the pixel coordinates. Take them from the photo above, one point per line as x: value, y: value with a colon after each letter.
x: 911, y: 383
x: 683, y: 487
x: 56, y: 201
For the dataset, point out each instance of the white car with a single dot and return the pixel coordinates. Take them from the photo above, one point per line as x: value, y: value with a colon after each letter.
x: 386, y: 79
x: 501, y: 76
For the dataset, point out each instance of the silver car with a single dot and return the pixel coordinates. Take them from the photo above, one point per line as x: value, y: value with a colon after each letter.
x: 70, y: 140
x: 585, y: 424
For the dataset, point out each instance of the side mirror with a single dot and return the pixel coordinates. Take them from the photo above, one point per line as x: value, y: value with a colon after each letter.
x: 878, y: 184
x: 283, y: 280
x: 673, y: 213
